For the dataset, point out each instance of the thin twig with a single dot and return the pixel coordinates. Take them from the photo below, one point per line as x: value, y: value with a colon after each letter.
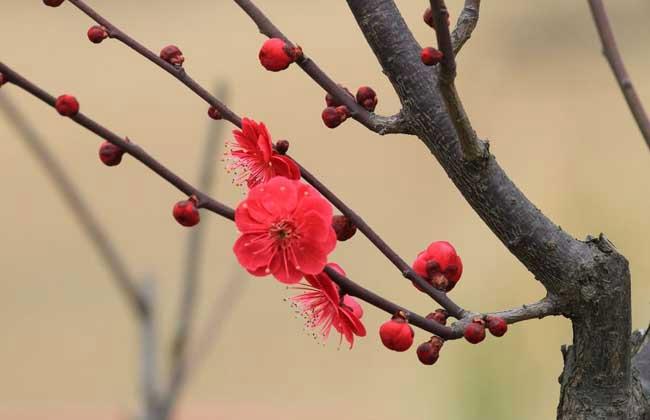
x: 440, y: 21
x: 204, y: 201
x: 467, y: 21
x: 193, y: 258
x: 149, y: 353
x: 178, y: 72
x: 75, y: 201
x: 381, y: 125
x: 220, y: 311
x: 473, y: 148
x: 615, y: 60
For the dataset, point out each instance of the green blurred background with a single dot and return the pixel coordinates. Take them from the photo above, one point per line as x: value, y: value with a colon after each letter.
x: 534, y: 83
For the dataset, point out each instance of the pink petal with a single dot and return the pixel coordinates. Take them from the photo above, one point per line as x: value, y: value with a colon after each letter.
x: 254, y: 251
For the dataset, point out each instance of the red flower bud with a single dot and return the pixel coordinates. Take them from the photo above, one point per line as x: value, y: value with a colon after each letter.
x: 282, y: 146
x: 474, y: 332
x: 496, y: 325
x: 343, y: 227
x: 173, y: 55
x: 439, y: 265
x: 110, y: 154
x: 214, y: 113
x: 52, y: 3
x: 276, y: 55
x: 331, y: 117
x: 343, y: 112
x: 428, y: 18
x: 430, y: 56
x: 367, y: 98
x: 186, y: 213
x: 440, y: 316
x: 97, y: 34
x: 332, y: 101
x: 396, y: 334
x: 3, y: 79
x: 429, y: 351
x: 67, y: 105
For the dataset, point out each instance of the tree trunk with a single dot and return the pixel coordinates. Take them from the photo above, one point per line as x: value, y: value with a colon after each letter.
x: 589, y: 279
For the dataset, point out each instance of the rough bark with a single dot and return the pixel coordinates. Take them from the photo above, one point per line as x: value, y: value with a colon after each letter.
x: 589, y: 279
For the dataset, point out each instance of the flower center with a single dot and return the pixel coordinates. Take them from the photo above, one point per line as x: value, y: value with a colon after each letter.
x: 283, y: 230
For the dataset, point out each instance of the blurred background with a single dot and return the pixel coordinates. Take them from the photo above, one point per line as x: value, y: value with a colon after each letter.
x: 534, y: 83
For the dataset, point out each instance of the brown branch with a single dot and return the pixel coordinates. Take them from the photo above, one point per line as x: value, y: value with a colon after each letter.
x: 467, y: 21
x: 354, y: 289
x: 176, y: 71
x: 381, y: 125
x: 204, y: 201
x: 615, y: 60
x: 406, y: 270
x: 75, y: 201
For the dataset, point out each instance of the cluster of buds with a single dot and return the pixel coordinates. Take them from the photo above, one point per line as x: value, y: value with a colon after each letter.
x: 475, y: 331
x: 53, y: 3
x: 397, y: 335
x: 277, y: 55
x: 3, y: 79
x: 337, y: 112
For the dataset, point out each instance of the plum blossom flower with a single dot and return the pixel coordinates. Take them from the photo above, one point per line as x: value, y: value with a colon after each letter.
x: 252, y: 158
x: 324, y: 308
x: 286, y: 230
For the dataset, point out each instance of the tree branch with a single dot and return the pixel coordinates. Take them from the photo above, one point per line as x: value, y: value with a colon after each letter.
x: 371, y: 121
x: 467, y: 21
x: 473, y: 148
x: 182, y: 185
x: 221, y: 309
x: 615, y: 60
x: 384, y: 124
x: 74, y: 199
x: 406, y: 270
x: 440, y: 18
x: 204, y: 201
x: 190, y: 280
x: 149, y: 353
x: 354, y: 289
x: 176, y: 71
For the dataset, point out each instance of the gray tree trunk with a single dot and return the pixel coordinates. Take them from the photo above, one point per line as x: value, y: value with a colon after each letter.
x: 589, y: 279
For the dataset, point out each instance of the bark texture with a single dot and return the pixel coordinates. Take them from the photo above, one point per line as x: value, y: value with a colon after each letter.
x: 589, y: 279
